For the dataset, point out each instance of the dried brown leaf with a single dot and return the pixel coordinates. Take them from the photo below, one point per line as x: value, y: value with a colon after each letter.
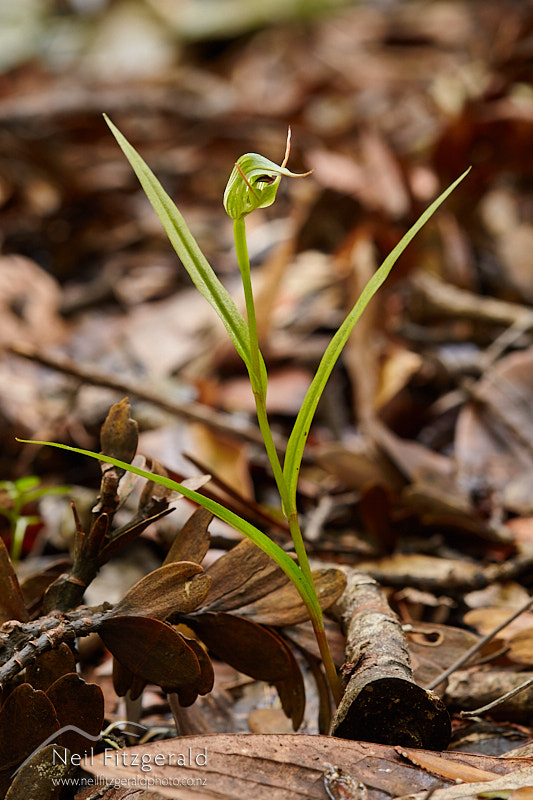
x: 152, y: 650
x: 285, y: 606
x: 119, y: 434
x: 486, y: 619
x: 192, y: 542
x: 453, y: 771
x: 188, y: 694
x: 242, y: 644
x: 303, y: 636
x: 494, y: 432
x: 433, y: 648
x: 79, y: 704
x: 12, y: 604
x: 27, y: 719
x: 424, y: 571
x: 173, y: 588
x: 521, y: 647
x: 291, y: 689
x: 48, y: 667
x: 223, y: 455
x: 242, y: 575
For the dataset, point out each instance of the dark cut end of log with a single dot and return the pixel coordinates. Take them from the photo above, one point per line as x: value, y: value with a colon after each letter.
x: 382, y: 703
x: 393, y: 711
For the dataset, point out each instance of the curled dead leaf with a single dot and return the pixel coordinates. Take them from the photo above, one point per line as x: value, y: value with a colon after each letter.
x: 243, y: 644
x: 284, y: 606
x: 151, y: 650
x: 241, y: 576
x: 188, y: 694
x: 173, y: 588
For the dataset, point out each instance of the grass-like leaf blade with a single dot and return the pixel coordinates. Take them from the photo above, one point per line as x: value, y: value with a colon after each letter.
x: 276, y: 553
x: 186, y: 246
x: 300, y: 431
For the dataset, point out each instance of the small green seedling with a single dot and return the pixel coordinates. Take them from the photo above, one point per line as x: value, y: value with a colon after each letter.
x: 18, y: 494
x: 253, y: 184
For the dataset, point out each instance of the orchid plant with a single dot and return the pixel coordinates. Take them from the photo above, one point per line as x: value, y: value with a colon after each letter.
x: 253, y: 184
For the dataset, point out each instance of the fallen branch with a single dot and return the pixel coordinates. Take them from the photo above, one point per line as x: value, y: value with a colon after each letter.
x: 382, y: 702
x: 22, y: 642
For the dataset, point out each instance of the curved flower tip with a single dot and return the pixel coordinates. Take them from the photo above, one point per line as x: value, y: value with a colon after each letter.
x: 254, y: 182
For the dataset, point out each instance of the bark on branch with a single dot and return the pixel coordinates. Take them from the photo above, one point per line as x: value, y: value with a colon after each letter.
x: 22, y: 642
x: 382, y: 703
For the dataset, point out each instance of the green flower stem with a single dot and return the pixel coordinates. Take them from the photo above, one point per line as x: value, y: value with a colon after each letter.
x: 327, y: 660
x: 243, y: 259
x: 257, y: 371
x: 314, y: 610
x: 258, y: 380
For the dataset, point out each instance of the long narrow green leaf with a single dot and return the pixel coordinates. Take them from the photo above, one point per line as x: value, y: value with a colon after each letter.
x: 282, y: 559
x: 300, y: 431
x: 186, y: 246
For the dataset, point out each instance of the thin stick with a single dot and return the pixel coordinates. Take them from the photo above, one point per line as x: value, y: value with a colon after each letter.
x: 499, y: 700
x: 193, y: 412
x: 481, y: 643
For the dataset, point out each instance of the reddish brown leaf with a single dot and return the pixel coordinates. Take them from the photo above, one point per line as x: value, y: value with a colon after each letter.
x: 207, y: 675
x: 27, y: 719
x: 188, y: 694
x: 242, y: 644
x: 50, y: 666
x: 79, y: 704
x: 285, y: 606
x: 291, y: 689
x: 11, y: 601
x: 124, y: 680
x: 152, y: 650
x: 171, y: 589
x: 192, y: 542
